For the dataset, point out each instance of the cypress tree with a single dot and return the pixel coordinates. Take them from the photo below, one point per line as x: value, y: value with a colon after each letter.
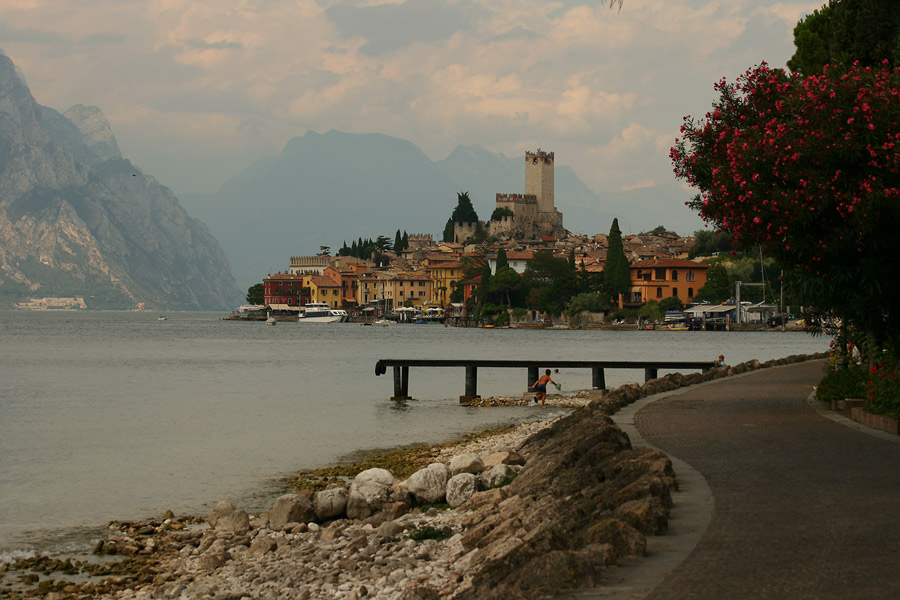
x: 398, y: 242
x: 616, y: 275
x: 502, y: 261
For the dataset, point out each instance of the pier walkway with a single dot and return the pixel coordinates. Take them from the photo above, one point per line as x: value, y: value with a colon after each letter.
x: 778, y: 498
x: 598, y: 377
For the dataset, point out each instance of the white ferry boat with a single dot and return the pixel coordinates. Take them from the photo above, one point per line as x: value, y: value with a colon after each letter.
x: 320, y: 312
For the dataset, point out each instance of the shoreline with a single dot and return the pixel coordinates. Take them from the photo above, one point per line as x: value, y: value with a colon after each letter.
x: 447, y: 564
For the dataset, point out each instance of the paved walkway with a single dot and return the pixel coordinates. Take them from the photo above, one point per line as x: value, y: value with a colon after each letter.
x: 777, y: 500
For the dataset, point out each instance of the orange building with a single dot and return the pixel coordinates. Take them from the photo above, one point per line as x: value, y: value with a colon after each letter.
x: 660, y: 278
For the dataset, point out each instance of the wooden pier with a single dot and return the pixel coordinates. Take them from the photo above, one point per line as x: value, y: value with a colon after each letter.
x: 598, y: 378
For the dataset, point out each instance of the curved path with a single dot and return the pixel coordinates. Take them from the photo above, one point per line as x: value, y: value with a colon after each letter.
x: 778, y: 499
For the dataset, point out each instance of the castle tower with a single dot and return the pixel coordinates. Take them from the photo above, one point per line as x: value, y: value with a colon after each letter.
x: 539, y: 179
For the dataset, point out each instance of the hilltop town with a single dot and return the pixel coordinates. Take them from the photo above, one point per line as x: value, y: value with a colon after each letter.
x: 420, y: 274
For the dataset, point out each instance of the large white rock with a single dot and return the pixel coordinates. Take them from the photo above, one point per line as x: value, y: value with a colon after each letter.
x: 460, y: 488
x: 290, y: 508
x: 497, y: 475
x: 369, y: 490
x: 466, y: 463
x: 330, y: 503
x: 429, y: 485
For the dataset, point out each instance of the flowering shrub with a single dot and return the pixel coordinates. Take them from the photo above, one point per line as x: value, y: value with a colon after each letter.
x: 838, y: 384
x: 808, y: 168
x: 884, y: 390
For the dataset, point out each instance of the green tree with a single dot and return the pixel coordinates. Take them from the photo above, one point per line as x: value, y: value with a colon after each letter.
x: 718, y: 286
x: 824, y: 210
x: 398, y: 242
x: 616, y: 272
x: 255, y: 294
x: 551, y: 282
x: 324, y: 250
x: 671, y: 303
x: 500, y: 212
x: 650, y: 310
x: 505, y: 282
x: 449, y: 232
x: 502, y: 261
x: 708, y: 243
x: 405, y: 240
x: 464, y: 211
x: 847, y: 31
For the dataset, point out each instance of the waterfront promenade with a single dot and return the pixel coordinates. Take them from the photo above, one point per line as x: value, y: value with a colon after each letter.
x: 779, y: 499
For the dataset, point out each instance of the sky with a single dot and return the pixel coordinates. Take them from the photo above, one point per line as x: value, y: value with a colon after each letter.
x: 196, y: 90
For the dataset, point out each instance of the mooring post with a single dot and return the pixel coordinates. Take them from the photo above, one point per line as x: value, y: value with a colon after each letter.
x: 649, y: 373
x: 598, y: 378
x: 471, y: 383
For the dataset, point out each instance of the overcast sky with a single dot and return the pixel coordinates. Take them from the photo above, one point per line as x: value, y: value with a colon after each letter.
x: 195, y: 90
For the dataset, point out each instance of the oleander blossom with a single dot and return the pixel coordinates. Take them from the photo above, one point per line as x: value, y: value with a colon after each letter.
x: 809, y: 169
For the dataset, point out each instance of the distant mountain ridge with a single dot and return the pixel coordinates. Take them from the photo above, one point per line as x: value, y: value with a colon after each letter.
x: 76, y: 219
x: 325, y: 189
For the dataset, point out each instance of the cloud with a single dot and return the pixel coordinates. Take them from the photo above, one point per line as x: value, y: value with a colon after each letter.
x: 218, y: 45
x: 605, y: 90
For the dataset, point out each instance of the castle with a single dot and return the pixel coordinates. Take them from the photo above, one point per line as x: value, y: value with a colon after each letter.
x: 533, y: 213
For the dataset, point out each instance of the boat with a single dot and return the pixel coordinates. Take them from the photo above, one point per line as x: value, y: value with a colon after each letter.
x: 162, y: 318
x: 320, y: 312
x: 271, y: 321
x: 382, y: 322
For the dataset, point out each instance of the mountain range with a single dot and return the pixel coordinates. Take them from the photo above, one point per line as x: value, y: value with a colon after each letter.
x: 336, y: 187
x: 78, y: 219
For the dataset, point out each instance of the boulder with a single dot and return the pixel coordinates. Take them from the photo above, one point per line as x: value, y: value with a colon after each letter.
x: 369, y: 490
x: 460, y: 488
x: 466, y: 463
x: 330, y: 503
x: 225, y: 517
x: 429, y: 485
x: 503, y: 458
x: 497, y: 475
x: 290, y: 508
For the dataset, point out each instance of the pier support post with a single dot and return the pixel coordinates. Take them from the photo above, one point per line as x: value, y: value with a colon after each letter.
x: 532, y: 376
x: 649, y: 373
x: 598, y: 378
x: 401, y: 383
x: 471, y: 384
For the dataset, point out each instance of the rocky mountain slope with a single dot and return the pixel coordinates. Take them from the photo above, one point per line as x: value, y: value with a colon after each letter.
x: 76, y: 219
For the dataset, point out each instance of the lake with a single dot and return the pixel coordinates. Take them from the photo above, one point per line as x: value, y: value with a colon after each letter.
x: 119, y: 415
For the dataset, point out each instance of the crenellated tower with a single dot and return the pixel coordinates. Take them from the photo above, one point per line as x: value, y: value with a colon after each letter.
x: 539, y: 179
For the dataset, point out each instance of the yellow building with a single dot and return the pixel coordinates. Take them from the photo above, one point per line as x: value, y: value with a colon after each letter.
x: 444, y: 276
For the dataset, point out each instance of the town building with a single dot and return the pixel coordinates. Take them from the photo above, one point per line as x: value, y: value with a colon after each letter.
x: 660, y: 278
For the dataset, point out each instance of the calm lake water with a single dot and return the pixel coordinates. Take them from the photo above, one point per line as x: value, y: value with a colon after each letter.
x: 117, y: 415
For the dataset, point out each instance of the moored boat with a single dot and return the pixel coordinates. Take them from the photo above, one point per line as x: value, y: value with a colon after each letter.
x: 320, y: 312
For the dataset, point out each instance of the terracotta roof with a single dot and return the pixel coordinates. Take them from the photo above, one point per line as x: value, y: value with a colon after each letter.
x: 670, y: 263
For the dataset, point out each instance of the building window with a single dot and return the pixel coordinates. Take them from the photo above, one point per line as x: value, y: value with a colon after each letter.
x: 690, y: 292
x: 674, y: 276
x: 659, y: 292
x: 675, y: 292
x: 660, y: 275
x: 690, y: 276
